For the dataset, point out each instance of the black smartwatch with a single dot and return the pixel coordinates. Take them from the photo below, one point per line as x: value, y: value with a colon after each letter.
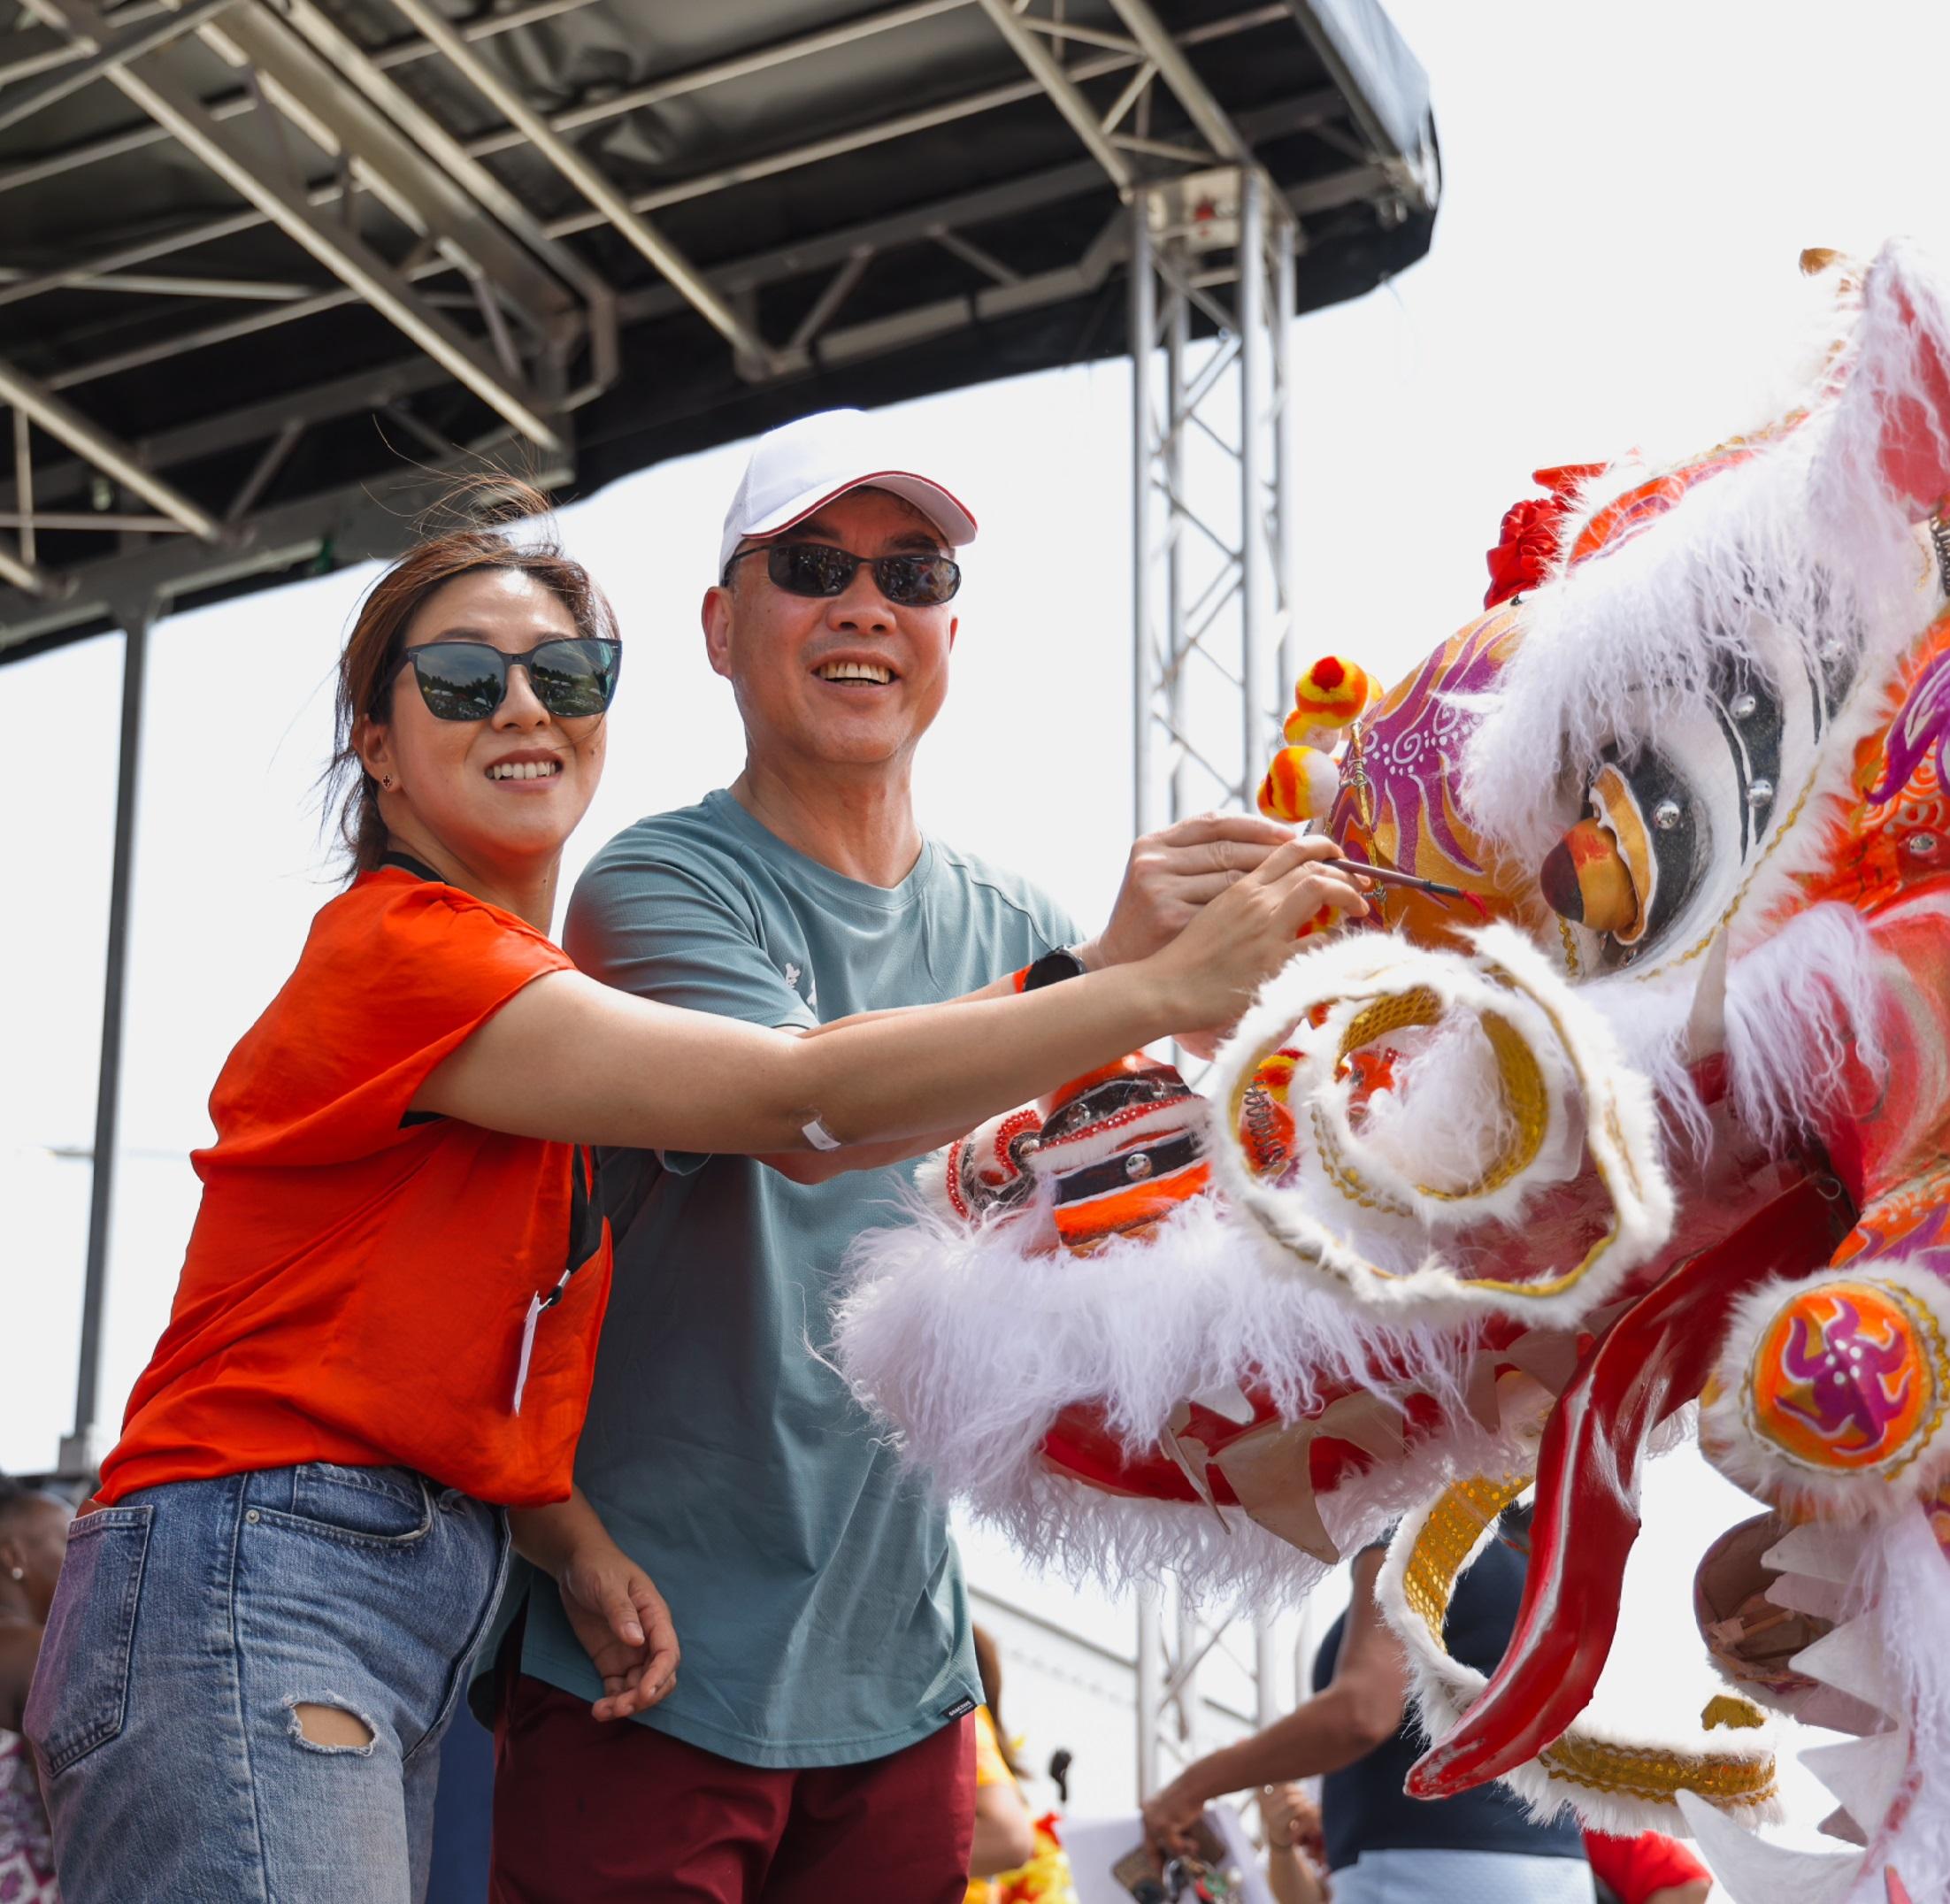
x: 1052, y: 969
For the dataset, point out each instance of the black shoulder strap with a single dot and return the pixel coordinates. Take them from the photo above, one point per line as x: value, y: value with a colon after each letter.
x: 420, y: 869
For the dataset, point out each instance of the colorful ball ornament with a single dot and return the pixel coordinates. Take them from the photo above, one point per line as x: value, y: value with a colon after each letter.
x: 1847, y: 1376
x: 1300, y: 785
x: 1331, y: 693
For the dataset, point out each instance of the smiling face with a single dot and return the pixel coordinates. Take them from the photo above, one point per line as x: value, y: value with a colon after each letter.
x: 851, y: 679
x: 497, y: 796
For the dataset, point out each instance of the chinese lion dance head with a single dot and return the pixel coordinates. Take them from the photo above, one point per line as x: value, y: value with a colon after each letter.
x: 1646, y: 1106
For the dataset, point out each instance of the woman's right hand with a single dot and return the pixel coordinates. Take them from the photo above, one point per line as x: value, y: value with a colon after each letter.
x: 1236, y: 942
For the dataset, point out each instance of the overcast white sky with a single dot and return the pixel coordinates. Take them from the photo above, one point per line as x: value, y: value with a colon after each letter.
x: 1627, y: 189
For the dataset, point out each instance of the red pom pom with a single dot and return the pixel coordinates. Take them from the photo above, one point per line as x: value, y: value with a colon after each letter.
x: 1528, y: 549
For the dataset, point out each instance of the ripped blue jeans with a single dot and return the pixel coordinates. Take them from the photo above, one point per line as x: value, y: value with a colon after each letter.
x: 245, y: 1682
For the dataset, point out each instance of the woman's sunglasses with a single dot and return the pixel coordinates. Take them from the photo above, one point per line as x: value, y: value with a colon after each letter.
x: 818, y: 569
x: 468, y: 680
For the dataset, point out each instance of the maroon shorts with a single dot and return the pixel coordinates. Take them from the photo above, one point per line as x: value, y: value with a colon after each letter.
x: 594, y: 1814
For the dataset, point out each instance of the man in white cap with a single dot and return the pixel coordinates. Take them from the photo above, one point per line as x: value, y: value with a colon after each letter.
x: 816, y: 1745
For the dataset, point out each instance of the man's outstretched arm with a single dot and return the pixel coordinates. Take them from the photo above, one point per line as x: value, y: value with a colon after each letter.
x: 1169, y: 876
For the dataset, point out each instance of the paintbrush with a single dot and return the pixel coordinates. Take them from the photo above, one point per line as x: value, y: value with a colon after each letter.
x: 1413, y: 882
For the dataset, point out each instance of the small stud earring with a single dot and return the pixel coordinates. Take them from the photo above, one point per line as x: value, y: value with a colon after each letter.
x: 387, y: 783
x: 19, y: 1573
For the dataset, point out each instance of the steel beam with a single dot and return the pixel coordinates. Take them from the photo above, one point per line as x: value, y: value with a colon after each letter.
x: 1254, y: 344
x: 1178, y: 338
x: 655, y: 92
x: 482, y: 26
x: 748, y: 172
x: 265, y: 471
x: 1403, y: 169
x: 1168, y: 55
x: 1286, y: 477
x: 764, y: 58
x: 1150, y: 1678
x: 161, y: 284
x: 93, y: 522
x: 1143, y: 328
x: 348, y: 257
x: 112, y: 48
x: 139, y: 251
x: 400, y: 152
x: 23, y: 484
x: 27, y: 578
x: 61, y: 420
x: 360, y: 521
x: 447, y: 154
x: 52, y: 165
x: 641, y: 234
x: 253, y: 423
x: 81, y: 1452
x: 1064, y: 93
x: 986, y: 203
x: 67, y: 52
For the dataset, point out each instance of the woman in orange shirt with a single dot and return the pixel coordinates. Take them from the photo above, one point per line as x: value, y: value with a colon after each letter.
x: 386, y: 1326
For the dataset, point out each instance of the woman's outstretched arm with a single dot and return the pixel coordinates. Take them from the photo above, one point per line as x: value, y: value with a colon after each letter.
x: 573, y: 1060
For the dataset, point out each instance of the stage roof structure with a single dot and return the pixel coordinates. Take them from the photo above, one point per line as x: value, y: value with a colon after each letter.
x: 262, y: 258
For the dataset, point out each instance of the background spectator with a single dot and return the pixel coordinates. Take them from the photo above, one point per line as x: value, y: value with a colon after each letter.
x: 1015, y: 1859
x: 33, y: 1534
x: 1382, y: 1844
x: 1296, y: 1852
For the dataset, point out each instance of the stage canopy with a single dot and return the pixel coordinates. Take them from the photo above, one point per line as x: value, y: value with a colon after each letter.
x: 263, y: 255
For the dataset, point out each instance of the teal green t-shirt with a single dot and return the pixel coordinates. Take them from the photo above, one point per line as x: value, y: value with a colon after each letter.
x: 816, y: 1589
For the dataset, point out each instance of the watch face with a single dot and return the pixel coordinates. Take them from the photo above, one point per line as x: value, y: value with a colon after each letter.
x: 1052, y: 968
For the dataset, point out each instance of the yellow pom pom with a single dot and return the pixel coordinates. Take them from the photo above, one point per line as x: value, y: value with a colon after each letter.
x: 1333, y: 692
x: 1300, y: 785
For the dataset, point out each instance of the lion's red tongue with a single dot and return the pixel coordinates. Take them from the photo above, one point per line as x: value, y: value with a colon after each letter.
x: 1655, y: 1359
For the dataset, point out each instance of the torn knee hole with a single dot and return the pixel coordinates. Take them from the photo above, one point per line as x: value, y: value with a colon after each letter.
x: 328, y: 1728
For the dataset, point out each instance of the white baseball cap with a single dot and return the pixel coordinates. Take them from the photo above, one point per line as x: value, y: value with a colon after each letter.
x: 801, y: 466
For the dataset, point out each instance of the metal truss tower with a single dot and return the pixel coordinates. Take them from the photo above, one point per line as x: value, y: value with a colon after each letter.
x: 1211, y: 298
x: 1213, y: 583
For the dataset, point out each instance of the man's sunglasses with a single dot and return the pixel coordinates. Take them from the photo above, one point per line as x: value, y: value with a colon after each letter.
x: 818, y: 569
x: 468, y: 680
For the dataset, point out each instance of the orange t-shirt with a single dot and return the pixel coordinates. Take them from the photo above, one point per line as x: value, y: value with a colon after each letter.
x: 358, y: 1283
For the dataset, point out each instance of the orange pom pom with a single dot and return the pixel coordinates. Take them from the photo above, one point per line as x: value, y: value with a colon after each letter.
x: 1300, y: 785
x: 1303, y: 730
x: 1333, y: 692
